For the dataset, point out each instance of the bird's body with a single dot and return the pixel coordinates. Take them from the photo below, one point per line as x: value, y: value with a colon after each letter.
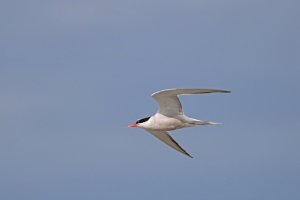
x: 170, y: 116
x: 160, y: 122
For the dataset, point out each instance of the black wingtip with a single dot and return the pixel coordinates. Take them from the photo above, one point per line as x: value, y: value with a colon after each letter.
x: 190, y: 156
x: 187, y: 154
x: 226, y: 91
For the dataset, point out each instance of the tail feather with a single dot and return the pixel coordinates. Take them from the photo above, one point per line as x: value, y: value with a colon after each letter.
x: 206, y: 123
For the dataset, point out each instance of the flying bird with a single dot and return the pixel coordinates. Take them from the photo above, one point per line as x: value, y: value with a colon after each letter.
x: 170, y: 116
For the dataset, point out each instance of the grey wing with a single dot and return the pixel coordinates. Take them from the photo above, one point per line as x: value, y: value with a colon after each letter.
x: 169, y: 103
x: 167, y: 139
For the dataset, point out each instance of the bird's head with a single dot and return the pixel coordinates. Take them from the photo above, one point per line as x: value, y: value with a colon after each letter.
x: 139, y: 123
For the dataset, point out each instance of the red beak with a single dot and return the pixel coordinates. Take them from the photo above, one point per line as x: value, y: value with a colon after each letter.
x: 132, y: 125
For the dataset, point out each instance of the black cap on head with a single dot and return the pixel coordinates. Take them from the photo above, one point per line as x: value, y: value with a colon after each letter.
x: 142, y: 120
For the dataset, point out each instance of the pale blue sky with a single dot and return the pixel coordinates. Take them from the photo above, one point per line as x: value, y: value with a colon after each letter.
x: 74, y: 74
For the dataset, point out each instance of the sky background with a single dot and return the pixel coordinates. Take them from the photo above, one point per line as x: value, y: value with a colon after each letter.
x: 74, y: 74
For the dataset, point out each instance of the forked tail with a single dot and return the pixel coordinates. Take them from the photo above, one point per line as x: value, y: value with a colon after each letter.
x: 199, y: 122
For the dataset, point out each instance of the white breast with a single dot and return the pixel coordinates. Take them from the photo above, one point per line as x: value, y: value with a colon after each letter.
x: 160, y: 122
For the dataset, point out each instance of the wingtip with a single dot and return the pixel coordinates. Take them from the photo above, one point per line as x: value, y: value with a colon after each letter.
x: 225, y: 91
x: 190, y: 156
x: 187, y: 154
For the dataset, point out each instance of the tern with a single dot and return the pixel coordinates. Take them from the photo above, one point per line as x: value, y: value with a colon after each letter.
x: 170, y: 116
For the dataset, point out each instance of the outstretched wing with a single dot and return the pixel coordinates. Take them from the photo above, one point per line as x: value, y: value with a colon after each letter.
x: 167, y: 139
x: 169, y: 103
